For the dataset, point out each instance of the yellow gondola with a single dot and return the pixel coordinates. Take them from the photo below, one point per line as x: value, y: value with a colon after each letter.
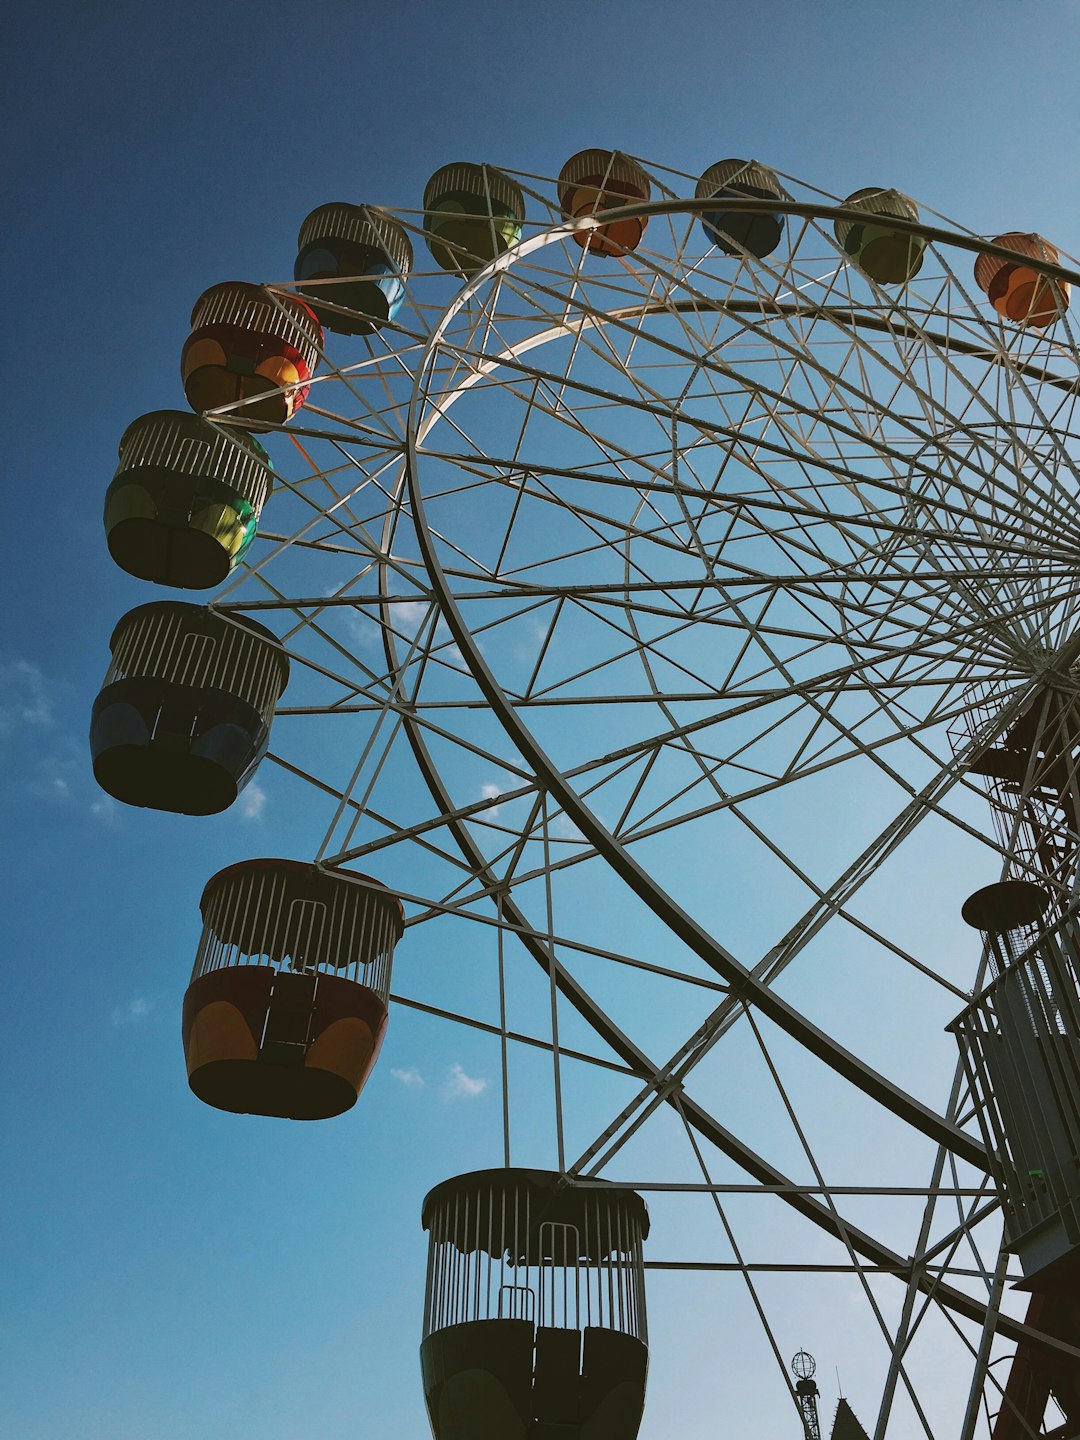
x: 882, y: 252
x: 472, y: 215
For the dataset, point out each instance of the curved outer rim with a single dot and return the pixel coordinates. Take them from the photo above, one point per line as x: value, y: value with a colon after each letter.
x: 743, y: 984
x: 872, y: 1250
x: 799, y: 208
x: 866, y: 1245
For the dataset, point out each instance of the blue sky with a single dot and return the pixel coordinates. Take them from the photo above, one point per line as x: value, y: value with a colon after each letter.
x: 175, y: 1272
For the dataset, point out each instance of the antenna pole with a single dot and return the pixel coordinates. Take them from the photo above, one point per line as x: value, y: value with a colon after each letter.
x: 806, y: 1394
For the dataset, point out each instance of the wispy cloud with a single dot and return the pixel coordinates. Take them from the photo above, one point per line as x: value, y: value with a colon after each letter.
x: 61, y: 778
x: 253, y: 801
x: 530, y: 634
x: 45, y: 760
x: 460, y: 1086
x: 27, y: 697
x: 489, y: 792
x: 134, y: 1012
x: 409, y: 615
x: 410, y: 1077
x: 563, y: 828
x: 405, y: 619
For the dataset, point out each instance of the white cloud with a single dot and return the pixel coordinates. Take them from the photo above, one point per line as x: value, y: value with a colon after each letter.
x: 253, y: 801
x: 27, y: 700
x: 451, y: 655
x: 563, y: 828
x: 56, y: 777
x: 408, y: 615
x: 529, y: 635
x: 62, y: 780
x: 55, y: 767
x: 406, y: 619
x: 488, y: 792
x: 133, y: 1013
x: 410, y: 1078
x: 459, y: 1086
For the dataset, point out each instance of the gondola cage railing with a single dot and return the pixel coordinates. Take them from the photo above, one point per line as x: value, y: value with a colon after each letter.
x: 287, y: 1006
x: 534, y: 1321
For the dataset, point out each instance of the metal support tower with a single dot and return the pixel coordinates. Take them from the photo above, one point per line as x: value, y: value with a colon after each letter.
x: 1020, y: 1045
x: 806, y: 1393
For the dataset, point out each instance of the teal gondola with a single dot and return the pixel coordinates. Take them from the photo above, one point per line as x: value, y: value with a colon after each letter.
x: 353, y: 262
x: 739, y: 232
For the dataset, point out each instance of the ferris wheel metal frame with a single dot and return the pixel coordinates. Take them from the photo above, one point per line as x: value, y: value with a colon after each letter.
x: 744, y: 988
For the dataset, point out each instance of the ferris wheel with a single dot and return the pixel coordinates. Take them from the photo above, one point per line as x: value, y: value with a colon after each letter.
x: 660, y: 589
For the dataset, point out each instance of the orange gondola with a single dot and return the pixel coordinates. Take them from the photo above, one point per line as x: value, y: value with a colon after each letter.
x: 595, y: 180
x: 1018, y: 292
x: 287, y: 1005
